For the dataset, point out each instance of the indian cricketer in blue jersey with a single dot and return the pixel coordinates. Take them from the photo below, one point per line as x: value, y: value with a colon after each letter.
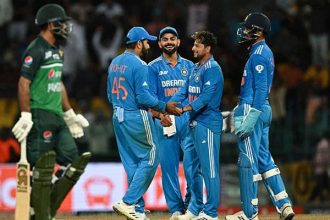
x: 204, y: 92
x: 167, y: 74
x: 252, y: 119
x: 128, y: 92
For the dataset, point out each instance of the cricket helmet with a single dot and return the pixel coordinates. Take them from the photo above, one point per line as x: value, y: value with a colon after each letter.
x: 54, y: 13
x: 253, y: 23
x: 50, y: 13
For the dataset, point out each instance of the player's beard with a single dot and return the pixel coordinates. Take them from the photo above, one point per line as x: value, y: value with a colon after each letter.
x: 60, y: 40
x: 170, y: 52
x: 145, y: 53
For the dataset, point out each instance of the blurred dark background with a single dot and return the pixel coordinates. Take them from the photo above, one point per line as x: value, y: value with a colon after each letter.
x: 299, y: 97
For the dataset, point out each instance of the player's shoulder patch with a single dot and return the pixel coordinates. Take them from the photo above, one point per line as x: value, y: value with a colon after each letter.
x: 259, y: 68
x: 28, y: 60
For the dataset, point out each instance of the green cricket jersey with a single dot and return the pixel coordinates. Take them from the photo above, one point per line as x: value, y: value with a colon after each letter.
x: 43, y: 64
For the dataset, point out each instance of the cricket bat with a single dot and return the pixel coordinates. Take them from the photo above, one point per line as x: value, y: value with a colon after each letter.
x: 23, y: 186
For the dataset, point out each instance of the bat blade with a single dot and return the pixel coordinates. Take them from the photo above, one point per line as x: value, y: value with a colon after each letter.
x: 23, y: 187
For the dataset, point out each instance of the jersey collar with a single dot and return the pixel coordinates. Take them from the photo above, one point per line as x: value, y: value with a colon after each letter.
x: 167, y: 62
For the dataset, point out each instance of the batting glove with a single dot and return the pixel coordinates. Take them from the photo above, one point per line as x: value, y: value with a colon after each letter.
x: 248, y: 123
x: 75, y: 123
x: 225, y: 119
x: 23, y: 126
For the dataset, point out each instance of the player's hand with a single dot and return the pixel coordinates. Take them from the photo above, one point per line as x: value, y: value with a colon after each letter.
x: 155, y: 114
x: 23, y: 126
x: 171, y: 107
x: 187, y: 108
x: 165, y: 120
x: 75, y: 123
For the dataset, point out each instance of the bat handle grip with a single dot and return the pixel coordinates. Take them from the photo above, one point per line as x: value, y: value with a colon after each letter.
x: 23, y: 151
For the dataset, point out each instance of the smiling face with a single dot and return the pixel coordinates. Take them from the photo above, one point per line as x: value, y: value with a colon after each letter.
x: 200, y: 50
x: 169, y: 43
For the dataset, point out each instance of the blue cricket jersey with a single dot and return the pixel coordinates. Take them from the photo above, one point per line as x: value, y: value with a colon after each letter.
x: 128, y: 86
x: 166, y: 80
x: 204, y: 91
x: 257, y: 76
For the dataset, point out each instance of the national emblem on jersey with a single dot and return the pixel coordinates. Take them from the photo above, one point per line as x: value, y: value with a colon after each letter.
x: 259, y: 68
x: 28, y: 60
x: 184, y: 72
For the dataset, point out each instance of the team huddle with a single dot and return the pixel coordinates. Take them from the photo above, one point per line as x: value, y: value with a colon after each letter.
x: 159, y: 108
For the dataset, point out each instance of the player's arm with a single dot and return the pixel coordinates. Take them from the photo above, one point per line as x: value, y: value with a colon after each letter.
x: 65, y: 99
x: 23, y: 126
x: 153, y: 81
x: 31, y: 63
x: 75, y: 122
x: 211, y: 79
x: 24, y: 94
x: 259, y: 72
x: 143, y: 95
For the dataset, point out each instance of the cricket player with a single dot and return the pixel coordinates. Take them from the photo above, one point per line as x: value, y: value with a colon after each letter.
x: 204, y: 92
x: 252, y: 119
x: 47, y: 119
x: 128, y: 91
x: 167, y: 74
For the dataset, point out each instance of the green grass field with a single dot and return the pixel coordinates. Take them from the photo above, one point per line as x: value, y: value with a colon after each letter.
x: 161, y: 216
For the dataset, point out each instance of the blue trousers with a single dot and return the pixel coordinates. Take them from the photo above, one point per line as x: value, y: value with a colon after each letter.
x: 256, y: 147
x: 169, y: 148
x: 207, y: 144
x: 138, y: 152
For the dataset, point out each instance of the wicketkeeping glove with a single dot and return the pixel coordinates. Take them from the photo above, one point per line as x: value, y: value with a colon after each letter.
x: 75, y: 123
x: 248, y: 123
x: 23, y: 126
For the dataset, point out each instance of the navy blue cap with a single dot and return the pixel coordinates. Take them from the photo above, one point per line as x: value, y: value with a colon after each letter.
x: 166, y: 30
x: 138, y: 33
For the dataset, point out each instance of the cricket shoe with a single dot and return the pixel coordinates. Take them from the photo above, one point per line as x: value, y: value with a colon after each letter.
x: 241, y: 216
x: 175, y: 215
x: 286, y: 212
x: 187, y: 216
x: 142, y: 216
x: 203, y: 216
x: 122, y: 208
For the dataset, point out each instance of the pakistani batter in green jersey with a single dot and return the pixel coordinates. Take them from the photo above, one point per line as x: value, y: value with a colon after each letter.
x: 47, y: 122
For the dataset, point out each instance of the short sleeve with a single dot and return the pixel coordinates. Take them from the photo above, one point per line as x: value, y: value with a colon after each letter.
x: 31, y: 62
